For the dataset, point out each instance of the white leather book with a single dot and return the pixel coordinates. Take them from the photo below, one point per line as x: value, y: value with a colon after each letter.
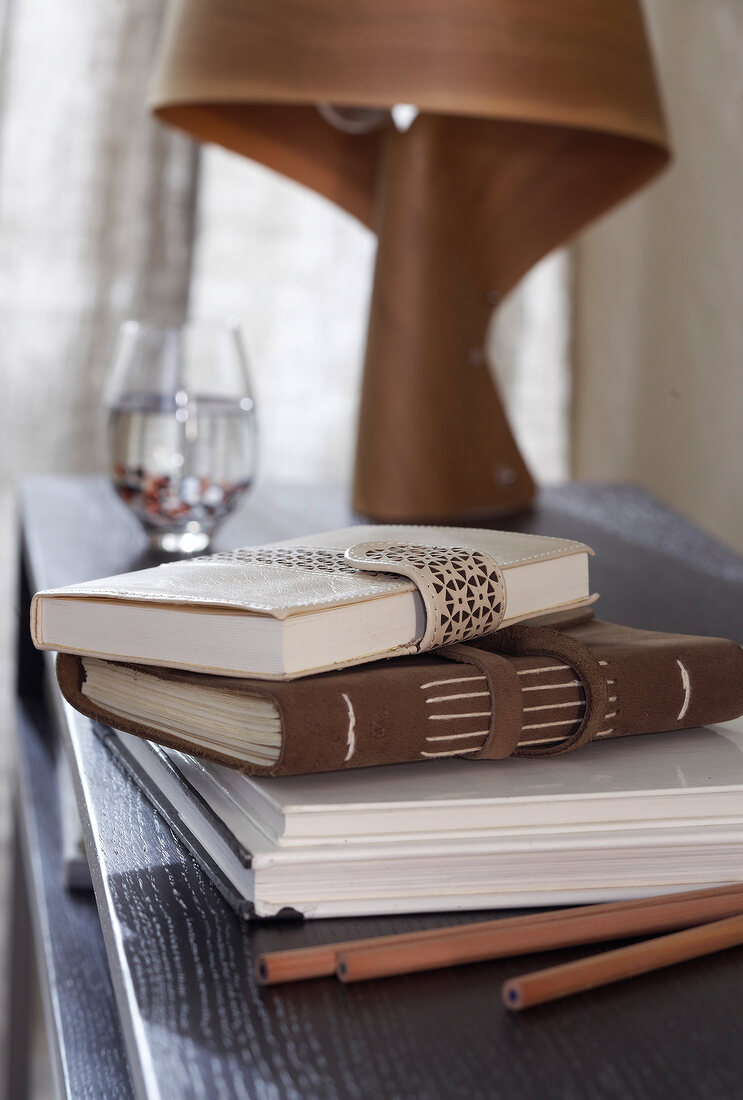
x: 316, y: 603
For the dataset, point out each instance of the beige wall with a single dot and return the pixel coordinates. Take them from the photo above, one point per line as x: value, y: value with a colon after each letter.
x: 658, y: 393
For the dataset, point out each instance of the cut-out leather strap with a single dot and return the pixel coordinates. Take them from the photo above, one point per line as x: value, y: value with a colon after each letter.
x: 506, y: 699
x: 462, y: 587
x: 542, y: 641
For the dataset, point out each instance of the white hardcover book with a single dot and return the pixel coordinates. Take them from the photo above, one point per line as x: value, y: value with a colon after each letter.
x: 460, y: 868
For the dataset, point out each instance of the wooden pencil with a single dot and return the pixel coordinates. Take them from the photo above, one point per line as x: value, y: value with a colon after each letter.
x: 321, y: 960
x: 299, y: 963
x: 625, y: 962
x: 473, y: 945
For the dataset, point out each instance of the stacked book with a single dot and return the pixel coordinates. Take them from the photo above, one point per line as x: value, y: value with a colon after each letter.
x: 381, y: 720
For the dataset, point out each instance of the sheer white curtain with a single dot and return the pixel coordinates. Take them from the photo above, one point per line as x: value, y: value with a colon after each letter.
x: 659, y: 328
x: 296, y: 271
x: 96, y: 211
x: 529, y: 350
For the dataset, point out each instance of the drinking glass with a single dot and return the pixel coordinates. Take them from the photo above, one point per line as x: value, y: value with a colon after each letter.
x: 181, y: 428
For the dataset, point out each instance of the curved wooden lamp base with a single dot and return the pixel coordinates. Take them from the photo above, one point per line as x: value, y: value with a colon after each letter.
x: 433, y: 439
x: 464, y: 208
x: 434, y: 443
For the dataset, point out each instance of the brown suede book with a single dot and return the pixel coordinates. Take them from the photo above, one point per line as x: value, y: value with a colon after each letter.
x: 531, y: 690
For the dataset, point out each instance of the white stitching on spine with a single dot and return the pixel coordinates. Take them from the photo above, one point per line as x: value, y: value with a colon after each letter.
x: 448, y: 717
x: 550, y: 687
x: 546, y: 725
x: 456, y: 680
x: 556, y: 740
x: 462, y: 695
x: 351, y: 733
x: 452, y: 752
x: 457, y: 736
x: 547, y: 668
x: 554, y: 706
x: 686, y: 684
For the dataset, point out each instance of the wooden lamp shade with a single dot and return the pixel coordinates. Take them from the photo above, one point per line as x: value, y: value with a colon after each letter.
x: 534, y: 118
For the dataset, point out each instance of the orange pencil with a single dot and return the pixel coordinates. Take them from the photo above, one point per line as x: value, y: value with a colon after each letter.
x: 473, y: 945
x: 625, y: 962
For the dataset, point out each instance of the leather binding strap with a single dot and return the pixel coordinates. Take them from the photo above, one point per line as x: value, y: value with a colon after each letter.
x: 542, y: 641
x: 462, y: 587
x: 506, y: 701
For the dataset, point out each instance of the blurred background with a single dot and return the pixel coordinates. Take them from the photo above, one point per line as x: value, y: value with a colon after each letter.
x: 618, y: 360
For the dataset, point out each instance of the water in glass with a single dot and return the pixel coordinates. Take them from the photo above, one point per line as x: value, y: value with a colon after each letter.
x: 181, y: 425
x: 182, y: 461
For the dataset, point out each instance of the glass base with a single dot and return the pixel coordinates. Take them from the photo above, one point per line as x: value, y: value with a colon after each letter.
x: 179, y: 542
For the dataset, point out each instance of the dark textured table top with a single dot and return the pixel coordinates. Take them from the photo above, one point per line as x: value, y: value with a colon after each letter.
x: 193, y: 1022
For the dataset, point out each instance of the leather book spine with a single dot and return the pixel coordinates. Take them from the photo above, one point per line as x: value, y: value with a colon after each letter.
x: 480, y: 703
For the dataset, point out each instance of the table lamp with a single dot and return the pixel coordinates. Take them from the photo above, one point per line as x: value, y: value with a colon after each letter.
x: 473, y: 136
